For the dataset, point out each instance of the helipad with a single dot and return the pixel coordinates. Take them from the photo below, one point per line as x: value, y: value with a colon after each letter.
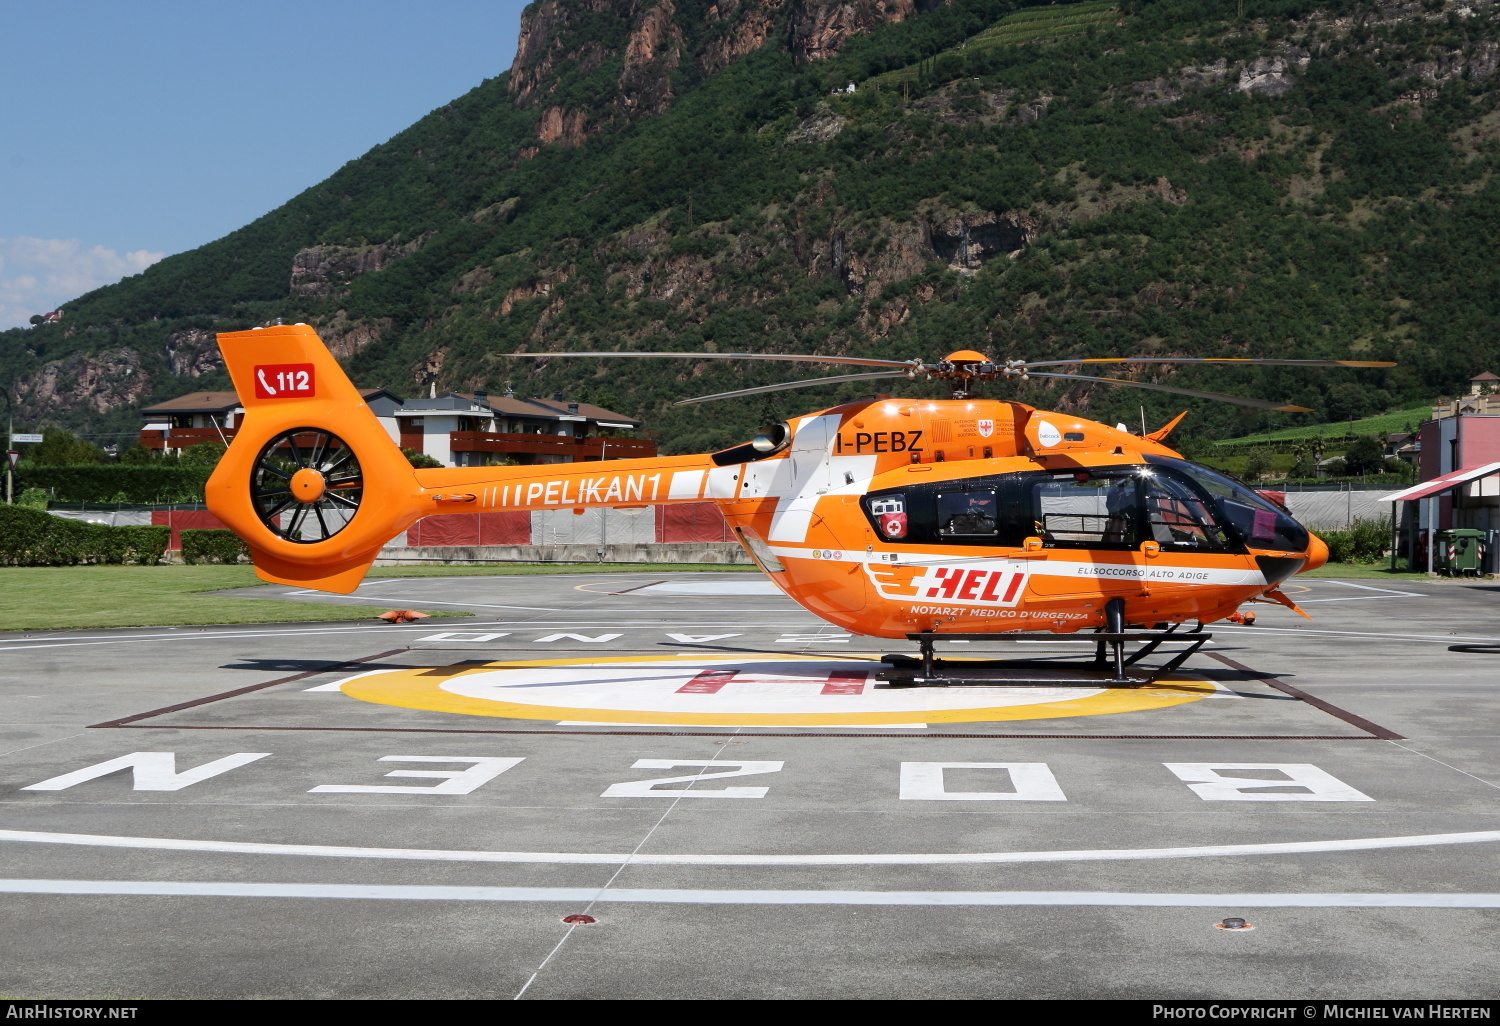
x: 802, y: 692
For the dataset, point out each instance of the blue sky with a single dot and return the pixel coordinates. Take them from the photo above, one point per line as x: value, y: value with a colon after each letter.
x: 133, y: 130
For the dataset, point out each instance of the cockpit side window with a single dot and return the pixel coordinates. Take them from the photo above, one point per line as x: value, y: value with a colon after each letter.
x: 1177, y: 517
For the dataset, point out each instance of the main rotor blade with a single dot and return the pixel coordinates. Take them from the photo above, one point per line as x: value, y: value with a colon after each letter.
x: 1259, y: 404
x: 807, y: 383
x: 1210, y: 359
x: 853, y: 361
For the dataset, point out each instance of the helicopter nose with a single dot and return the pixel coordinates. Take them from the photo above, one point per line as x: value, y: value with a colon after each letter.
x: 1317, y: 553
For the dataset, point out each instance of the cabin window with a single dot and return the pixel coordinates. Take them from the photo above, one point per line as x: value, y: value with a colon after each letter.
x: 969, y: 514
x: 1086, y: 510
x: 989, y: 510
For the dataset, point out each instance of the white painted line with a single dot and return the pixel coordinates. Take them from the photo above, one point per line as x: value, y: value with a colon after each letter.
x: 578, y: 895
x: 338, y: 685
x: 201, y: 634
x: 693, y: 589
x: 873, y: 859
x: 1445, y: 639
x: 1387, y: 591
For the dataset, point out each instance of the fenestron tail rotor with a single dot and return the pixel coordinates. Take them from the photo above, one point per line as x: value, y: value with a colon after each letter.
x: 966, y: 368
x: 306, y: 485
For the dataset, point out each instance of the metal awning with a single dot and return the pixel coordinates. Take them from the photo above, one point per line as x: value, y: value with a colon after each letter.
x: 1441, y: 484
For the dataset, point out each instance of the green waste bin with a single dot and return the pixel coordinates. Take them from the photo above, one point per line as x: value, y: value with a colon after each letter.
x: 1460, y: 552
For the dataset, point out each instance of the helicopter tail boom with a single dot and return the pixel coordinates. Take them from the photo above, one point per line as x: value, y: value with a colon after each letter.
x: 315, y: 486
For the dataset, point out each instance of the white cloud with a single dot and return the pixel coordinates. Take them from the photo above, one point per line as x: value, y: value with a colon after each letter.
x: 38, y: 275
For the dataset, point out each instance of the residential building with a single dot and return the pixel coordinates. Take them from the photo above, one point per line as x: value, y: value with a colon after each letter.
x: 1483, y: 397
x: 463, y: 429
x: 1449, y: 447
x: 1403, y: 445
x: 215, y: 417
x: 457, y: 429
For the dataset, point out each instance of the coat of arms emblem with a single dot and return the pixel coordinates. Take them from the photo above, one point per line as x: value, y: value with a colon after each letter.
x: 986, y: 428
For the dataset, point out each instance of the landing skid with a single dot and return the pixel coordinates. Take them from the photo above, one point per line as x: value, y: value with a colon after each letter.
x: 1107, y: 669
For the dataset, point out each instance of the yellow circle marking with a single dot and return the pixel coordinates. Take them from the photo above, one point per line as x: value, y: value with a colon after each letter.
x: 422, y: 688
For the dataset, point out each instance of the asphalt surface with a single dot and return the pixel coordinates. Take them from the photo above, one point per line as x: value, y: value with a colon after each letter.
x: 801, y: 839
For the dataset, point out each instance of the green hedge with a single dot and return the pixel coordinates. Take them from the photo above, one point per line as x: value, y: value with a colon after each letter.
x: 30, y: 537
x: 1364, y: 541
x: 212, y: 545
x: 116, y: 482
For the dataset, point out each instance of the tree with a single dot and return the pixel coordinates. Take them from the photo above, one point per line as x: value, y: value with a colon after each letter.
x: 64, y: 449
x: 1364, y: 456
x: 419, y: 459
x: 1257, y: 464
x: 136, y: 454
x: 1347, y: 402
x: 204, y: 454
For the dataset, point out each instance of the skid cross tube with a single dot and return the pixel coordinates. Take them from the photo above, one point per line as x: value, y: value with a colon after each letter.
x: 933, y: 671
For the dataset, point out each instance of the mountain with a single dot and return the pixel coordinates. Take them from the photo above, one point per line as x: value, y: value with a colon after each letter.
x: 1289, y: 178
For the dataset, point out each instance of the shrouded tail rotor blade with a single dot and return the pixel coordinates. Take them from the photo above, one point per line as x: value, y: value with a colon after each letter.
x: 1209, y: 359
x: 1259, y: 404
x: 807, y: 383
x: 852, y: 361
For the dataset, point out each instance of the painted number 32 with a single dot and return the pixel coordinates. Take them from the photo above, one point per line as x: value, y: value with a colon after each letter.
x: 284, y: 381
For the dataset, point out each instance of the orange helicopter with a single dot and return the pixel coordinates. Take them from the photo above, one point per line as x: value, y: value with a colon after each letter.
x: 927, y: 520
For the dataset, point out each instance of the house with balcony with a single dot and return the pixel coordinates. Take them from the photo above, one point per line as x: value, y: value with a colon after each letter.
x: 462, y: 429
x: 458, y: 429
x: 215, y: 417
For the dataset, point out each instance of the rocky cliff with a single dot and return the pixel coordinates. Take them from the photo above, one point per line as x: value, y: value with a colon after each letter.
x: 624, y: 57
x: 100, y: 383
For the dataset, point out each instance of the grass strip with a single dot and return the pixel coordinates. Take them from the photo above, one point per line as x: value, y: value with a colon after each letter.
x: 73, y: 597
x: 1370, y: 572
x: 523, y: 569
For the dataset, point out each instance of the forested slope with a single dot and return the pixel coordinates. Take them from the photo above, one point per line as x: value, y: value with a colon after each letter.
x: 1147, y: 178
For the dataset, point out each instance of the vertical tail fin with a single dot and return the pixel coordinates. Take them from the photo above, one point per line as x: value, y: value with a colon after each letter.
x: 311, y: 482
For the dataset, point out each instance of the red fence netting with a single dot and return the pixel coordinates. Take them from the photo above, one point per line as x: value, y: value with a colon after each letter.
x: 691, y: 522
x: 471, y: 529
x: 177, y: 519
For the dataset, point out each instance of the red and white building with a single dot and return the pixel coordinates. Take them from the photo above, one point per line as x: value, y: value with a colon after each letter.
x: 1459, y: 463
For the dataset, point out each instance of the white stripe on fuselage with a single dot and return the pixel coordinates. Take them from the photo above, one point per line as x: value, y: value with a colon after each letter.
x: 1154, y: 572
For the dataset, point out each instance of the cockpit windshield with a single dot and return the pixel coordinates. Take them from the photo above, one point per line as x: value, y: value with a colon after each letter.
x: 1259, y: 523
